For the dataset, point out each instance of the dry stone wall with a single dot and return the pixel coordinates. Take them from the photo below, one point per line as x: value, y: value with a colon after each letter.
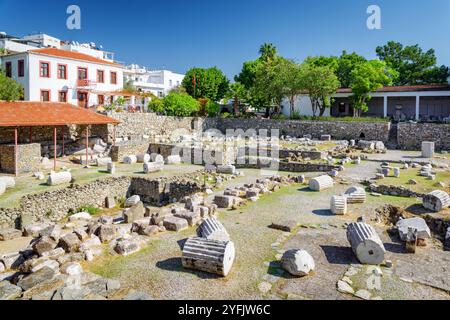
x: 411, y: 135
x: 28, y: 155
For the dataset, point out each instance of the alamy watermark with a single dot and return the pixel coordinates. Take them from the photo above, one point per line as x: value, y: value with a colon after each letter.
x: 374, y: 19
x: 73, y: 22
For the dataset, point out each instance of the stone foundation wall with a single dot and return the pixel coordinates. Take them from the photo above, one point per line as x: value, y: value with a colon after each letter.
x: 163, y: 191
x: 55, y: 205
x: 128, y: 148
x: 299, y: 128
x: 252, y: 163
x: 411, y: 135
x: 394, y: 191
x: 28, y: 158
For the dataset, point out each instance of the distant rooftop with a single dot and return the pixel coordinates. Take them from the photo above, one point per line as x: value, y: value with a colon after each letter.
x: 431, y: 87
x: 72, y: 55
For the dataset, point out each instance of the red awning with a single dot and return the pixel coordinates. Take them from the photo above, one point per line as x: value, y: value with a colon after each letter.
x: 32, y: 114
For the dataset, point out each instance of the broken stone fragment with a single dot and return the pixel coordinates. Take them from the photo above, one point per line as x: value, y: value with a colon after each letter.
x: 80, y: 216
x: 419, y: 224
x: 284, y: 225
x: 297, y: 262
x: 8, y: 291
x: 175, y: 224
x: 436, y: 200
x: 135, y: 212
x: 70, y: 242
x: 71, y: 269
x: 44, y: 244
x: 36, y: 278
x: 127, y: 246
x: 131, y: 201
x: 106, y: 232
x: 53, y: 231
x: 9, y: 234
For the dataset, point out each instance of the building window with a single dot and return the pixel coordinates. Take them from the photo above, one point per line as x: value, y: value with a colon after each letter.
x: 100, y: 100
x: 21, y: 68
x: 170, y: 82
x: 62, y: 96
x: 45, y: 95
x: 62, y: 71
x: 113, y: 77
x: 82, y: 73
x: 100, y: 76
x: 45, y: 69
x: 160, y: 94
x: 8, y: 69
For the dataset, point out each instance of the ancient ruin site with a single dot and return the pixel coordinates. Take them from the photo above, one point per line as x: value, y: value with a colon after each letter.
x: 136, y: 206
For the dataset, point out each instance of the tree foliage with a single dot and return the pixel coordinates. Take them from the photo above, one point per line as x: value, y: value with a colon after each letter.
x: 209, y: 83
x: 413, y: 65
x: 10, y: 90
x: 180, y: 105
x: 366, y: 78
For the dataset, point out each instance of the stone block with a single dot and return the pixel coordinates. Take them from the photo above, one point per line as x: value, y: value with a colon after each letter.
x: 131, y: 201
x: 9, y: 234
x: 298, y: 262
x: 110, y: 202
x: 70, y: 242
x: 36, y: 278
x: 44, y: 244
x: 106, y: 232
x: 284, y: 225
x: 419, y: 224
x: 428, y: 149
x: 134, y: 213
x: 175, y: 224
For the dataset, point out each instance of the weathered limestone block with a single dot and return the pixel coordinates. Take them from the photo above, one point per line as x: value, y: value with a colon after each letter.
x: 134, y: 213
x: 9, y: 234
x: 53, y: 231
x: 175, y: 224
x: 81, y: 234
x: 8, y: 291
x: 57, y: 178
x: 9, y: 182
x: 226, y: 202
x: 80, y: 216
x: 174, y: 159
x: 150, y: 231
x: 103, y: 162
x: 419, y: 224
x: 338, y: 205
x: 143, y: 157
x: 436, y: 201
x: 226, y: 169
x: 33, y: 229
x: 44, y: 244
x: 93, y: 242
x: 212, y: 229
x: 12, y: 260
x: 321, y: 183
x: 366, y: 244
x: 2, y: 187
x: 110, y: 202
x: 397, y: 172
x: 36, y: 278
x: 366, y: 145
x: 159, y: 217
x: 428, y: 149
x: 298, y: 262
x: 154, y: 157
x: 131, y: 201
x: 127, y: 246
x: 131, y: 159
x: 193, y: 201
x: 191, y: 217
x: 71, y: 269
x: 70, y: 242
x: 106, y: 232
x: 111, y: 168
x: 208, y: 255
x: 150, y: 167
x: 284, y: 225
x: 356, y: 195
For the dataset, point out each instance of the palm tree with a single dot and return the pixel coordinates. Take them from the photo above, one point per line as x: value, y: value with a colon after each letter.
x: 268, y: 51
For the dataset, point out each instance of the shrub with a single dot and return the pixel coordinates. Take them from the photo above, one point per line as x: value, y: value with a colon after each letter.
x: 156, y: 105
x: 89, y: 209
x: 212, y: 109
x: 180, y: 105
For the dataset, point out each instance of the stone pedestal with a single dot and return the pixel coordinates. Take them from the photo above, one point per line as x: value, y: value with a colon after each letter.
x: 427, y: 149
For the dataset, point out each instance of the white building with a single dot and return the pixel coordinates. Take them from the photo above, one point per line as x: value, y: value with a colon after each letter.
x: 51, y: 74
x: 158, y: 82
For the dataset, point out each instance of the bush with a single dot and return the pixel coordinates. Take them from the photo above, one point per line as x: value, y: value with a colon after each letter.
x: 156, y: 105
x: 225, y: 115
x: 180, y: 105
x: 89, y: 209
x: 212, y: 109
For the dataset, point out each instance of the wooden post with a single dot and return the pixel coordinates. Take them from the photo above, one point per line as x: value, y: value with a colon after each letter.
x: 114, y: 136
x: 87, y: 145
x: 54, y: 148
x: 63, y: 141
x: 16, y: 138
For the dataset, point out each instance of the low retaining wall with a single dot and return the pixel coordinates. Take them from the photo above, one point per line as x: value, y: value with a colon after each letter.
x: 284, y: 166
x: 28, y: 155
x: 54, y: 205
x: 395, y: 191
x: 128, y: 148
x: 411, y: 135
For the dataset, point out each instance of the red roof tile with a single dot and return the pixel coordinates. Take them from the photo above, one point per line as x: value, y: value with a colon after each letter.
x: 72, y: 55
x: 431, y: 87
x: 31, y: 114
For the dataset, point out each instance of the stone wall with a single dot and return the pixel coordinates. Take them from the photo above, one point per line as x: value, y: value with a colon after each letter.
x: 397, y: 191
x: 411, y: 135
x: 136, y: 125
x: 123, y: 149
x: 28, y: 158
x: 54, y: 205
x: 258, y: 163
x: 298, y: 128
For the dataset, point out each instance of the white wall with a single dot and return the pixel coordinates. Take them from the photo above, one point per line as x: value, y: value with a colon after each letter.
x: 33, y: 83
x: 302, y: 105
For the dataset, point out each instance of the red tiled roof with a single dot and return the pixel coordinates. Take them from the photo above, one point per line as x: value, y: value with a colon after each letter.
x: 72, y: 55
x: 431, y: 87
x: 31, y: 114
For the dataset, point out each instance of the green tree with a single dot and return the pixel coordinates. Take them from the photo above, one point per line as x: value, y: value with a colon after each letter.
x: 180, y: 105
x: 320, y: 82
x: 413, y: 65
x: 346, y: 64
x: 156, y: 105
x: 239, y: 94
x: 212, y: 109
x: 290, y: 78
x: 267, y: 51
x: 366, y: 78
x: 209, y: 83
x: 10, y: 90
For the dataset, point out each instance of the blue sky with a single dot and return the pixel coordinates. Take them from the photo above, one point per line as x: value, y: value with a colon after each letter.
x: 178, y: 35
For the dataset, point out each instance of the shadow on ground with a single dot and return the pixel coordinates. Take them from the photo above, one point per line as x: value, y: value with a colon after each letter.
x: 338, y: 254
